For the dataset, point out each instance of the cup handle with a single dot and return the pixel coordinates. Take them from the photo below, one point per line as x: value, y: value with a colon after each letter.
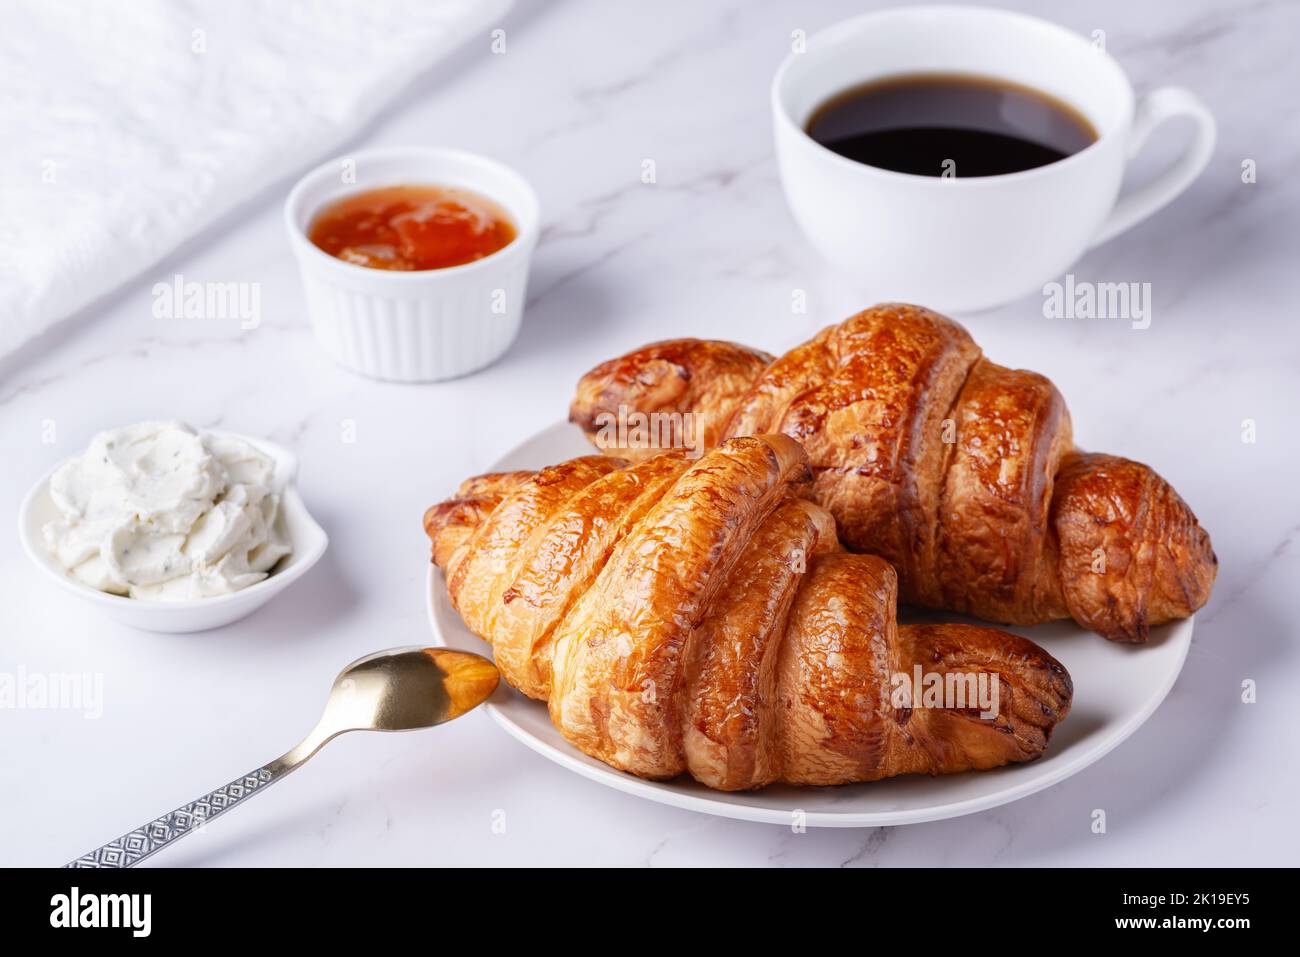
x: 1152, y: 110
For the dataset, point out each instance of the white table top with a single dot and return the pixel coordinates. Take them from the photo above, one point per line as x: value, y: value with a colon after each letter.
x: 585, y: 92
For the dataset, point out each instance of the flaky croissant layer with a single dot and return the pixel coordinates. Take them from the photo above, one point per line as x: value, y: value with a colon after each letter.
x: 702, y: 617
x: 960, y: 472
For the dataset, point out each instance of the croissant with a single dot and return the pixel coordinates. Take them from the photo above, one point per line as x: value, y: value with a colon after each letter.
x: 960, y: 472
x: 701, y: 617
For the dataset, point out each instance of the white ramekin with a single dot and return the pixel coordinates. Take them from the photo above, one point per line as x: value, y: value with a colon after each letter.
x: 414, y: 326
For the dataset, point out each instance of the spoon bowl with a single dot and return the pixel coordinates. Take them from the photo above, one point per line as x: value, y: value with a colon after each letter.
x: 405, y: 689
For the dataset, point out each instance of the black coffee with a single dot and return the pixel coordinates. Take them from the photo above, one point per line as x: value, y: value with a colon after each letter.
x: 954, y: 124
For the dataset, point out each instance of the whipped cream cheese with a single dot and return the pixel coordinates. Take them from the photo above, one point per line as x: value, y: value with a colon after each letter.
x: 159, y: 511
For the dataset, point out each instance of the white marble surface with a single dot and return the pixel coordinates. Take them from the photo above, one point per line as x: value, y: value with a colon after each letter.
x: 584, y: 93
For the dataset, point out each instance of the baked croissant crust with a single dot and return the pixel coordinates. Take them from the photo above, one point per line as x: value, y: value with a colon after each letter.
x: 960, y: 472
x: 702, y: 617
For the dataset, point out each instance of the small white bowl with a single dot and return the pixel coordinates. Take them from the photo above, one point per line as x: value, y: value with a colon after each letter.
x: 414, y: 326
x: 179, y: 617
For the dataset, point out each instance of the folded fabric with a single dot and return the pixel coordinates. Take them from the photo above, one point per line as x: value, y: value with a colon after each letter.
x: 130, y: 127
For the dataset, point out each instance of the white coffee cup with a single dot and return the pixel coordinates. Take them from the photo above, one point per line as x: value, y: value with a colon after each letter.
x: 969, y: 244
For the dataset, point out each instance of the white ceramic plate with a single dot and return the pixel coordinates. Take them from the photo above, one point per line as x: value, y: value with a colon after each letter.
x: 1116, y: 688
x: 179, y: 617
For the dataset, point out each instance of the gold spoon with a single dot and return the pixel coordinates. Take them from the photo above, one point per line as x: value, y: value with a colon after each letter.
x: 401, y: 689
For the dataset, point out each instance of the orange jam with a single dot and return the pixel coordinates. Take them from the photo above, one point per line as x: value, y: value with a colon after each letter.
x: 412, y: 227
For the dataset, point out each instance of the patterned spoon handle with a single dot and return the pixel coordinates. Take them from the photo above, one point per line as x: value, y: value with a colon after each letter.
x: 132, y: 848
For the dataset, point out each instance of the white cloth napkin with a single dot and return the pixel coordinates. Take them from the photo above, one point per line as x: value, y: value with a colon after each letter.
x: 126, y: 128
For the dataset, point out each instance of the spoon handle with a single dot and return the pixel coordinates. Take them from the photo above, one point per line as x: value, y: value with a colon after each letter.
x: 132, y: 848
